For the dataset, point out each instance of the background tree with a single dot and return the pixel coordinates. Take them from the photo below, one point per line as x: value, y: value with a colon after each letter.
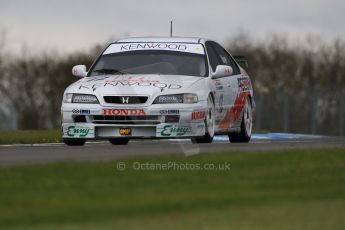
x: 298, y: 85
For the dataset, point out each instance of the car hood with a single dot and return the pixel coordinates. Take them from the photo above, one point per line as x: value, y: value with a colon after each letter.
x: 150, y: 85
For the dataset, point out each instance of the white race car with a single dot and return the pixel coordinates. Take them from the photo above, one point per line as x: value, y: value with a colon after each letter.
x: 159, y: 87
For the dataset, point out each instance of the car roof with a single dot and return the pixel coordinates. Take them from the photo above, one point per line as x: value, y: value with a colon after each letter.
x: 165, y: 39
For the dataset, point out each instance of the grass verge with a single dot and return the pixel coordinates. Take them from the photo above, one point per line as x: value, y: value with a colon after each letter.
x: 30, y: 137
x: 299, y: 189
x: 37, y: 136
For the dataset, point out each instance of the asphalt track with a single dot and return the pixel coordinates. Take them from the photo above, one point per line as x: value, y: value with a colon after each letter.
x: 102, y: 151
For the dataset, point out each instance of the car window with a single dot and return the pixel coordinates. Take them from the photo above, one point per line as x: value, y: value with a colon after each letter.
x: 151, y: 62
x: 234, y: 65
x: 212, y: 56
x: 225, y: 58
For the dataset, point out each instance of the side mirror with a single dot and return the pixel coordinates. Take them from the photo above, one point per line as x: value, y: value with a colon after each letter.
x: 222, y: 71
x: 79, y: 71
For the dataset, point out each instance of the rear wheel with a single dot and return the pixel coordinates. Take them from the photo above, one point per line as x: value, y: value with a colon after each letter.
x: 246, y: 125
x: 74, y: 141
x: 119, y: 141
x: 209, y: 124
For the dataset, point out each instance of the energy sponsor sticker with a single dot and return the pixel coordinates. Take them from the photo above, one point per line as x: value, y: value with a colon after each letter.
x: 75, y: 131
x: 173, y: 131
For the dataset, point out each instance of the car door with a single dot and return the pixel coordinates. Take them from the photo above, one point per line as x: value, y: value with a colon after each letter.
x: 218, y: 85
x: 231, y: 85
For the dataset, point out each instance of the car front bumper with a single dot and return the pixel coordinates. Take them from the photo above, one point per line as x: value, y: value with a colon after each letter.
x: 141, y: 122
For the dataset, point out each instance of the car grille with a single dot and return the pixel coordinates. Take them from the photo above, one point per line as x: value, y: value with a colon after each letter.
x: 148, y: 119
x: 125, y: 99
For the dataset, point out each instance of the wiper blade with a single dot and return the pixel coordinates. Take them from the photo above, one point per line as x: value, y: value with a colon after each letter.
x: 110, y: 71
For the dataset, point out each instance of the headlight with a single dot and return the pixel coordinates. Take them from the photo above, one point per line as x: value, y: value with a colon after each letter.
x: 176, y: 98
x: 67, y: 98
x: 80, y: 98
x: 190, y: 98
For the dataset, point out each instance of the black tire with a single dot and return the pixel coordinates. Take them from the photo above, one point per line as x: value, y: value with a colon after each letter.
x: 208, y: 137
x: 74, y: 141
x: 119, y: 141
x: 204, y: 139
x: 244, y: 135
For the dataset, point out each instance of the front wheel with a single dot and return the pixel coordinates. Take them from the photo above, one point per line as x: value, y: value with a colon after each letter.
x: 74, y: 141
x: 246, y: 126
x: 209, y: 124
x: 119, y: 141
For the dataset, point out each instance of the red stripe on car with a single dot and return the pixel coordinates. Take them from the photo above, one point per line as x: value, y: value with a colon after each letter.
x: 234, y: 112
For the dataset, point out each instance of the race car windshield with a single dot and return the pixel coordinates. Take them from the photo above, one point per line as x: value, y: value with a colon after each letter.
x: 151, y: 62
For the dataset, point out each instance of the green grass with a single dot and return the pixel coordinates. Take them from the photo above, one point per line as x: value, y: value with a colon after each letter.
x: 30, y: 136
x: 36, y: 136
x: 300, y: 189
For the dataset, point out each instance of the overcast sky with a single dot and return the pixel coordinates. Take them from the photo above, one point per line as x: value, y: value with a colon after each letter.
x: 69, y: 25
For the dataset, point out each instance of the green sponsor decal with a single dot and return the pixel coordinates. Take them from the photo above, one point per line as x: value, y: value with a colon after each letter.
x: 77, y: 131
x: 169, y: 130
